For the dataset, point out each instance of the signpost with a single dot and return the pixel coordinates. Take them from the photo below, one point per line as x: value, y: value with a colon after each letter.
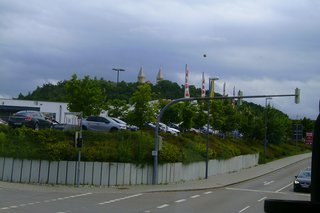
x: 309, y: 137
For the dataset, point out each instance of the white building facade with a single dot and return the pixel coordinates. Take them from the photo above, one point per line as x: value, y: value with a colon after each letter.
x: 57, y: 110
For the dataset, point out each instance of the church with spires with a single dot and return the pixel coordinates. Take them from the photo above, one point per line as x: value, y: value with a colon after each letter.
x: 141, y: 76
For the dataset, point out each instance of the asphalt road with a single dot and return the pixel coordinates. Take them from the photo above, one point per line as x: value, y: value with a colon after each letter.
x: 243, y: 197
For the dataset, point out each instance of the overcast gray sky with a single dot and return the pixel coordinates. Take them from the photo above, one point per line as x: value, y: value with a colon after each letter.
x: 260, y: 47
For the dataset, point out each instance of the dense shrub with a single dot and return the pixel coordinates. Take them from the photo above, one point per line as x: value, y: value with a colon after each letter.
x: 134, y: 147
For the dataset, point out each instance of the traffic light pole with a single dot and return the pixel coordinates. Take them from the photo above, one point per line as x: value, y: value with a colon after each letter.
x: 239, y: 97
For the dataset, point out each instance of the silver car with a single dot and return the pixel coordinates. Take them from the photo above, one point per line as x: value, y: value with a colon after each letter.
x: 98, y: 123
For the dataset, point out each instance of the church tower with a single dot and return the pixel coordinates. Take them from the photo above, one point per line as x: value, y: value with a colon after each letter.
x: 141, y: 76
x: 160, y: 75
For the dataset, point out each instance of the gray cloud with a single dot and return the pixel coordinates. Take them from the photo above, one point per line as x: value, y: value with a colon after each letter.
x: 258, y: 46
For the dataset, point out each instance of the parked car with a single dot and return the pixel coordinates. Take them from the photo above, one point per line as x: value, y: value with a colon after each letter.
x: 64, y: 127
x: 30, y: 118
x: 168, y: 129
x: 124, y: 124
x: 302, y: 181
x: 3, y: 122
x: 98, y: 123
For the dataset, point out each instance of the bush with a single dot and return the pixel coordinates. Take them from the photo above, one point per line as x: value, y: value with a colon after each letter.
x: 133, y: 147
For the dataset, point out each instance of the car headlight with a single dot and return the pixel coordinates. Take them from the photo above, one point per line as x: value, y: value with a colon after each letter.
x: 296, y: 182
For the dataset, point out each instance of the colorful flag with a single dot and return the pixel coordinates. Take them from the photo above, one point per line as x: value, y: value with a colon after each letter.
x: 203, y: 91
x: 211, y: 87
x: 186, y: 88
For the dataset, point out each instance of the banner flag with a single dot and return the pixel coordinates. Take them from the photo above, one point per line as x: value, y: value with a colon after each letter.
x: 203, y: 91
x: 211, y: 88
x: 186, y: 88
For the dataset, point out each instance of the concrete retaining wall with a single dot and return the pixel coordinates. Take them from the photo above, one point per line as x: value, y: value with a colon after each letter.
x: 114, y: 174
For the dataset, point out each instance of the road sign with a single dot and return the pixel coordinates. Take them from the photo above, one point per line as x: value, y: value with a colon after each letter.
x: 309, y: 137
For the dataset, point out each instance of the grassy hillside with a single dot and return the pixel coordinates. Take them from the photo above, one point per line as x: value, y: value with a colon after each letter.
x: 135, y: 147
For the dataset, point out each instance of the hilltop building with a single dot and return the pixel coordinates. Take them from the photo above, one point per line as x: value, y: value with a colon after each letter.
x: 141, y: 76
x: 160, y: 75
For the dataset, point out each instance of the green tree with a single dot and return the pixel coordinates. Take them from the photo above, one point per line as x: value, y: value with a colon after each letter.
x: 143, y: 111
x: 117, y: 108
x: 188, y: 110
x: 85, y: 95
x: 171, y: 114
x: 278, y: 126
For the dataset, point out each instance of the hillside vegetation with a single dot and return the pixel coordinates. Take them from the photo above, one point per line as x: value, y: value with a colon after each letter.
x: 134, y: 147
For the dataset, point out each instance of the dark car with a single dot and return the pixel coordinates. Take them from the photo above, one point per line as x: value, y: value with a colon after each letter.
x: 302, y: 181
x: 33, y: 119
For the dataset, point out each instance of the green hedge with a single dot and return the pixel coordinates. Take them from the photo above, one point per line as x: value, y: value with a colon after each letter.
x: 134, y: 147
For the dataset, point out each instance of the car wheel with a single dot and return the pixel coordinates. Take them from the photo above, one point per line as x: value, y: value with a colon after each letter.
x: 36, y: 127
x: 84, y: 127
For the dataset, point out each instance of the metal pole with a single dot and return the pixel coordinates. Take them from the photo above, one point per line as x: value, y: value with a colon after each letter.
x: 156, y: 146
x: 78, y: 167
x: 118, y: 70
x: 79, y: 153
x: 207, y: 142
x: 265, y: 130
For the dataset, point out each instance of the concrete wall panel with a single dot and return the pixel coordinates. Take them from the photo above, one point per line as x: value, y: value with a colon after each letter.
x: 53, y: 172
x: 88, y: 169
x: 96, y: 179
x: 71, y: 172
x: 44, y: 171
x: 62, y: 172
x: 34, y: 174
x: 1, y: 166
x: 113, y: 169
x: 26, y: 171
x: 16, y: 171
x: 7, y: 169
x: 105, y: 174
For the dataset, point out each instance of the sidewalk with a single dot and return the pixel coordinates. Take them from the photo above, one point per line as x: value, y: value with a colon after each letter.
x: 215, y: 181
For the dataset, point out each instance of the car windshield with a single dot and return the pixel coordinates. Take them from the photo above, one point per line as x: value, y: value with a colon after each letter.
x: 305, y: 174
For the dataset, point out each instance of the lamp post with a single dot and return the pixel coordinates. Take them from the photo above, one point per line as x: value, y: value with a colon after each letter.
x: 211, y: 94
x: 118, y: 70
x: 265, y: 130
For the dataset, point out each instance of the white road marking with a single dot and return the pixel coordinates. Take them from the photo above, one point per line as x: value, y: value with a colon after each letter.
x: 252, y: 190
x: 284, y: 187
x: 206, y: 193
x: 45, y: 201
x: 146, y: 211
x: 119, y: 199
x: 195, y: 196
x: 179, y: 201
x: 261, y: 199
x: 163, y: 206
x: 267, y: 182
x: 245, y: 208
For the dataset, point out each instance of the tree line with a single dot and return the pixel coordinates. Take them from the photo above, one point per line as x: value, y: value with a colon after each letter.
x: 139, y: 103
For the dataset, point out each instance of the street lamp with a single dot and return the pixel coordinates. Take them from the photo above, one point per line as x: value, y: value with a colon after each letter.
x: 211, y: 94
x: 265, y: 130
x: 118, y: 70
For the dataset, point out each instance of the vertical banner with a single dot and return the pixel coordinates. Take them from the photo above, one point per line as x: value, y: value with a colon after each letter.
x: 186, y: 88
x: 203, y: 91
x: 211, y: 87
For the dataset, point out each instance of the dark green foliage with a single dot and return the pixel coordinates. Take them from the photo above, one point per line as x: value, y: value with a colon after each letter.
x: 134, y: 147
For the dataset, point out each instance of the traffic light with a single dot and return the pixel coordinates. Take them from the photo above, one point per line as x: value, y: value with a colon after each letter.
x: 78, y: 140
x: 297, y: 95
x: 79, y: 143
